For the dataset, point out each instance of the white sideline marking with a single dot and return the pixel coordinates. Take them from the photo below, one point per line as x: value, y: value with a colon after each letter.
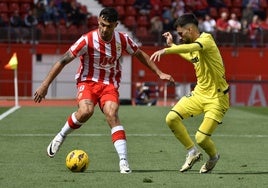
x: 11, y: 110
x: 132, y: 135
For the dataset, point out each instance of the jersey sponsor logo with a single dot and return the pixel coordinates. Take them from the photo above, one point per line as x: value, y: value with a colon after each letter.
x: 107, y: 63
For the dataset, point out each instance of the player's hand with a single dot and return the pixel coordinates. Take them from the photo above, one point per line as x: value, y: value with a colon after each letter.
x: 40, y: 94
x: 156, y: 56
x: 164, y: 76
x: 169, y: 38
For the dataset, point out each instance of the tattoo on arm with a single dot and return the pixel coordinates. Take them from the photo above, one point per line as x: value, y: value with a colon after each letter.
x: 66, y: 58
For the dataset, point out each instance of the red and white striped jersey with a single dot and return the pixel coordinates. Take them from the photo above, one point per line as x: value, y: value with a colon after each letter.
x: 99, y: 60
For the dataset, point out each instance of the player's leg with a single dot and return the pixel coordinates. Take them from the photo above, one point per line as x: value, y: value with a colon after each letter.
x: 214, y: 113
x: 203, y: 139
x: 185, y: 108
x: 203, y: 136
x: 174, y: 121
x: 110, y: 104
x: 75, y: 120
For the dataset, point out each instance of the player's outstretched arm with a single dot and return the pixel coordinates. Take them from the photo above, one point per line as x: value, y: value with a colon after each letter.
x: 157, y: 55
x: 145, y: 59
x: 169, y: 38
x: 41, y: 91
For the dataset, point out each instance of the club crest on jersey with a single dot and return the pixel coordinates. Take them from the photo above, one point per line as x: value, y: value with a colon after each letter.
x: 118, y: 47
x: 195, y: 60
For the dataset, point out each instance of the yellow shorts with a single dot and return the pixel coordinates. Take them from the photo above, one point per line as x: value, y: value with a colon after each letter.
x: 193, y: 105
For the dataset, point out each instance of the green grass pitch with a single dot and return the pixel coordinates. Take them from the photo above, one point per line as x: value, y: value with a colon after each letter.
x: 154, y: 154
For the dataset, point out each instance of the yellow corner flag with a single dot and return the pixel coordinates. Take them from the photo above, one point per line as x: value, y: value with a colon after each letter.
x: 13, y: 62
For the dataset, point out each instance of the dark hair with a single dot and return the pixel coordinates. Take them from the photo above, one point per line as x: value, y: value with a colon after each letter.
x: 185, y: 19
x: 109, y: 14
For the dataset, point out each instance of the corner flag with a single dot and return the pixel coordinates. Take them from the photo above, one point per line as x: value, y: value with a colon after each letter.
x: 13, y: 62
x: 13, y: 65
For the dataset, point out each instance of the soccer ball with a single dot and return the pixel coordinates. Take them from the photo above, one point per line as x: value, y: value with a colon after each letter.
x: 77, y: 161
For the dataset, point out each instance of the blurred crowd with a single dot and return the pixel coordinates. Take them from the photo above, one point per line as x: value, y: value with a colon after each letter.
x: 245, y: 21
x: 54, y: 11
x: 42, y: 13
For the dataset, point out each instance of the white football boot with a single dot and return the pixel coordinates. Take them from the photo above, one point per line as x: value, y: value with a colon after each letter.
x: 209, y: 165
x: 54, y: 145
x: 190, y: 161
x: 124, y: 167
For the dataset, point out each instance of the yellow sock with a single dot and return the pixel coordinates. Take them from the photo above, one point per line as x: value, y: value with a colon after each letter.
x: 203, y: 136
x: 179, y: 130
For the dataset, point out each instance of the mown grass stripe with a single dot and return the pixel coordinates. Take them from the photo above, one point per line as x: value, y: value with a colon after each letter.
x: 131, y: 135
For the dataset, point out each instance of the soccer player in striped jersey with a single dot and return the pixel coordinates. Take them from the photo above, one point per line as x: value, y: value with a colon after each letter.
x: 210, y: 95
x: 98, y: 79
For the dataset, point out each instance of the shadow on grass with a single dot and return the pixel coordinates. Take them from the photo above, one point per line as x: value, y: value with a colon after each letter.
x: 242, y: 173
x: 146, y: 171
x: 188, y: 172
x: 136, y: 171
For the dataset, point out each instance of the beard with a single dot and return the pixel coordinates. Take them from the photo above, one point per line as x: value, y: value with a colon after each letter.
x: 186, y: 41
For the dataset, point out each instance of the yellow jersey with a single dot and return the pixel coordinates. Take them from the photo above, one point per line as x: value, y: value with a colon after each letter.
x: 204, y: 54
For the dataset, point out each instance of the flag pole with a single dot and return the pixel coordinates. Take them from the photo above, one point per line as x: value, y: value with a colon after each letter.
x: 12, y: 65
x: 16, y: 87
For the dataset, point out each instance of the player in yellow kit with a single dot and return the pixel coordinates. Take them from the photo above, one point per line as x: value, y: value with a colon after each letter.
x: 210, y: 95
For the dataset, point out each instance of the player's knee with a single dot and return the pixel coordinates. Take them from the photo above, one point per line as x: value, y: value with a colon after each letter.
x: 201, y: 138
x: 172, y: 117
x: 84, y: 114
x: 111, y: 117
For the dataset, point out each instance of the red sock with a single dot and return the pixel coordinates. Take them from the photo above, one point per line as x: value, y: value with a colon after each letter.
x: 118, y: 133
x: 119, y: 140
x: 73, y: 122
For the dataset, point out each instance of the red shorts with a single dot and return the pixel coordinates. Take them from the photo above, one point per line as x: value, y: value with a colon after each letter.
x: 97, y: 92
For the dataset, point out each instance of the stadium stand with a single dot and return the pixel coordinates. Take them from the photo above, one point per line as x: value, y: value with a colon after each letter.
x: 130, y: 11
x: 130, y: 22
x: 4, y: 7
x: 129, y: 16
